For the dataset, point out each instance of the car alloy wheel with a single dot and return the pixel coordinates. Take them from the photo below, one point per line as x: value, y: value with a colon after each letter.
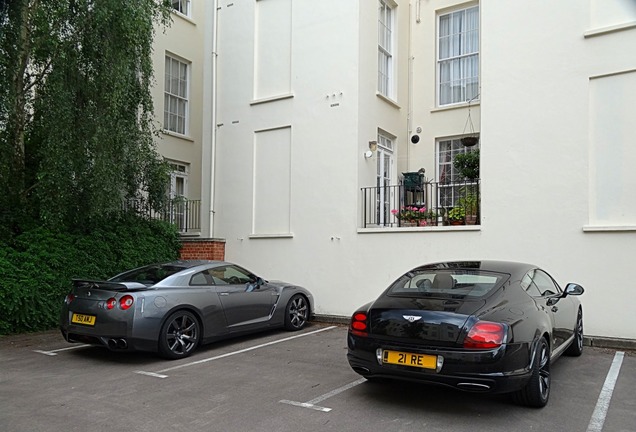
x: 180, y: 335
x: 296, y: 313
x: 537, y: 392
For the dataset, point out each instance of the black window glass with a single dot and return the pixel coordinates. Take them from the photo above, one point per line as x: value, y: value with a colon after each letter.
x: 458, y: 283
x: 148, y: 275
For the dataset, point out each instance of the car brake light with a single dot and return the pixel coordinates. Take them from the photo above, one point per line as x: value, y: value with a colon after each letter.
x: 69, y: 298
x: 110, y: 303
x: 485, y: 335
x: 126, y: 302
x: 359, y: 325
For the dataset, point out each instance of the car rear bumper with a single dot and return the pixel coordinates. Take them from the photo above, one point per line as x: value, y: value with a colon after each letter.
x: 502, y: 370
x: 114, y: 342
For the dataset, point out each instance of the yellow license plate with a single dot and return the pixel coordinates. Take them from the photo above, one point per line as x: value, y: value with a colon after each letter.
x: 83, y: 319
x: 424, y: 361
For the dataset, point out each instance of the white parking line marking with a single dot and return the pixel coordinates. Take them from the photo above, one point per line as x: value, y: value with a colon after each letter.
x: 161, y: 372
x: 602, y: 405
x: 312, y: 403
x: 306, y: 405
x: 54, y: 352
x: 152, y: 374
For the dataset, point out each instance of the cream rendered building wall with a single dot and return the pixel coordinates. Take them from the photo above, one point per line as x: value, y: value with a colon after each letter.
x: 187, y: 39
x: 544, y: 132
x: 543, y: 69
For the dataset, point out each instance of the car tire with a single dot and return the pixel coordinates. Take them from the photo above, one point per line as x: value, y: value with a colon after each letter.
x: 576, y: 348
x: 179, y: 335
x: 296, y: 312
x: 537, y: 391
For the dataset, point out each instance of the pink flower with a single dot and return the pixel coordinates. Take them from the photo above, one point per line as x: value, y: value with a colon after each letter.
x: 394, y: 212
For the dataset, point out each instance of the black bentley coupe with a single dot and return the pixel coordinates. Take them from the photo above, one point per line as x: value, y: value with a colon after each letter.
x: 482, y: 326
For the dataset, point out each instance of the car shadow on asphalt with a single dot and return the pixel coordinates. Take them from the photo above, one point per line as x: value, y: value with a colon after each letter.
x: 133, y: 358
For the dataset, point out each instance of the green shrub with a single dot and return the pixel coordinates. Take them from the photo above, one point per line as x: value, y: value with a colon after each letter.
x: 37, y: 266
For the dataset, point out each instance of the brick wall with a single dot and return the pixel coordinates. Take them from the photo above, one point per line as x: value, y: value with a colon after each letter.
x: 205, y: 249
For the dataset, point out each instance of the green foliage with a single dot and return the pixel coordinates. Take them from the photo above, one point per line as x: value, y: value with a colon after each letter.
x: 457, y: 214
x: 76, y: 114
x: 469, y: 200
x: 37, y: 267
x: 467, y: 164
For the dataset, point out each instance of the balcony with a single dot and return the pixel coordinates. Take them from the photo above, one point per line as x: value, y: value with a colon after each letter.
x: 421, y: 203
x: 184, y: 213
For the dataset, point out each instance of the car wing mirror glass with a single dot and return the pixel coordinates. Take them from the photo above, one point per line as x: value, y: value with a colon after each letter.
x: 573, y: 289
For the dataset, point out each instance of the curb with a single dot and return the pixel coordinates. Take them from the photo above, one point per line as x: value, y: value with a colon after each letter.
x: 591, y: 341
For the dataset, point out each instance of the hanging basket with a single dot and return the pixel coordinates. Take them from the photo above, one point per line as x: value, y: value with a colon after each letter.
x: 469, y: 141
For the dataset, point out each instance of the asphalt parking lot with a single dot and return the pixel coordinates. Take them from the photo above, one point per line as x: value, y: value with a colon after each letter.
x: 282, y: 381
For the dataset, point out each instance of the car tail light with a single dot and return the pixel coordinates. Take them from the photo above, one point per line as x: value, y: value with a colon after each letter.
x: 359, y: 326
x: 485, y: 335
x: 69, y: 298
x: 110, y: 303
x: 126, y: 302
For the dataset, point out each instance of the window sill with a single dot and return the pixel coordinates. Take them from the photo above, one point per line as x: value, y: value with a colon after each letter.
x: 611, y: 29
x: 388, y: 100
x: 177, y: 135
x: 270, y: 236
x: 183, y: 17
x: 456, y: 106
x: 272, y: 99
x: 609, y: 228
x: 456, y: 228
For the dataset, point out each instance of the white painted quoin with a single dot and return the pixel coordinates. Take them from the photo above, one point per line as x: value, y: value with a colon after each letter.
x: 295, y: 90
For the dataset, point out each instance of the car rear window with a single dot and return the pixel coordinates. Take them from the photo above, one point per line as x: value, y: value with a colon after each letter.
x: 446, y: 283
x: 149, y: 275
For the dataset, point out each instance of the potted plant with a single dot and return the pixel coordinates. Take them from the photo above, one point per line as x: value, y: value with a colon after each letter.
x: 467, y: 164
x: 431, y: 217
x: 456, y: 216
x: 469, y: 202
x: 410, y: 215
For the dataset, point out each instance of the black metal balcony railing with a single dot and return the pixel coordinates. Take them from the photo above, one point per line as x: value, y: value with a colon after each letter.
x: 421, y: 204
x: 185, y: 214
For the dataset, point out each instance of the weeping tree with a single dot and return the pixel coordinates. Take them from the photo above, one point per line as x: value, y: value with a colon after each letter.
x: 76, y: 113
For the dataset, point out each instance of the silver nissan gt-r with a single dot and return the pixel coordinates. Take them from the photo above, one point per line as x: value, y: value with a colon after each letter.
x: 173, y: 307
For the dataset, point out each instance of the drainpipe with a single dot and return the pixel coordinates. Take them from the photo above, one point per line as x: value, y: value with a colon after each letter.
x: 409, y: 108
x: 215, y: 22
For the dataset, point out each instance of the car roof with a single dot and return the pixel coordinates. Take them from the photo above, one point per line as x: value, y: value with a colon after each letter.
x: 500, y: 266
x: 192, y: 263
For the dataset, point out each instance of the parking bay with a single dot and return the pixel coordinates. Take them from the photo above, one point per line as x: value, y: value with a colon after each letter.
x: 281, y: 381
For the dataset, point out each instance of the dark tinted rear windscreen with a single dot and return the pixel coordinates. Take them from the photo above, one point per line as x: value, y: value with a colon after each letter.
x: 446, y: 283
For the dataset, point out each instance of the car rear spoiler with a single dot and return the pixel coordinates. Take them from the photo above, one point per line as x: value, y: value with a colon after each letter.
x: 108, y: 285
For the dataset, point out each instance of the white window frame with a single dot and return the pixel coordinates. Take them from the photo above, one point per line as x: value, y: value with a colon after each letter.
x: 386, y: 48
x: 384, y: 178
x: 176, y: 95
x: 448, y: 180
x: 178, y: 170
x: 184, y: 7
x: 458, y: 57
x: 178, y: 199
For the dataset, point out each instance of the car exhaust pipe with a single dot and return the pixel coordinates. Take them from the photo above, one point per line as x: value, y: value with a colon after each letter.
x: 361, y: 370
x: 473, y: 386
x: 117, y: 344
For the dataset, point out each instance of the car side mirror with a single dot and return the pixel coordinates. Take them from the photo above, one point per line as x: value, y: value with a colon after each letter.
x: 573, y: 289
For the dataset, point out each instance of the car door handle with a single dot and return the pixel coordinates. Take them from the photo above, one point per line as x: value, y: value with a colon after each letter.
x: 224, y: 294
x: 554, y: 308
